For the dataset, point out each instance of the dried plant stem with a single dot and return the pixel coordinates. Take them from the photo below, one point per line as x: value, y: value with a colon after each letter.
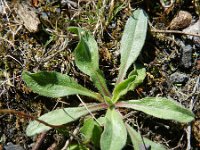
x: 174, y: 31
x: 70, y: 139
x: 15, y: 60
x: 4, y: 39
x: 88, y: 109
x: 24, y: 115
x: 189, y: 128
x: 39, y: 141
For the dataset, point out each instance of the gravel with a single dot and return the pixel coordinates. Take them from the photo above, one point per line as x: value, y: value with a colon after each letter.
x: 178, y: 78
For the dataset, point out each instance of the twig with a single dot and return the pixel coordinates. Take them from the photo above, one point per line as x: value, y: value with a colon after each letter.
x: 174, y: 31
x: 193, y: 92
x: 70, y: 139
x: 12, y: 44
x: 62, y: 47
x: 189, y: 128
x: 143, y: 145
x: 88, y: 109
x: 24, y: 115
x: 15, y: 60
x: 39, y: 141
x: 2, y: 92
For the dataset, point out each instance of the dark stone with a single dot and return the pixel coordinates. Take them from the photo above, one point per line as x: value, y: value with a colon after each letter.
x: 178, y: 78
x: 186, y: 58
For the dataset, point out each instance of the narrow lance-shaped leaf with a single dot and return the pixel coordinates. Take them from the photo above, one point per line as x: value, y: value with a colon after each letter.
x: 114, y: 135
x: 140, y: 143
x: 135, y: 78
x: 87, y: 59
x: 54, y: 84
x: 160, y: 107
x: 132, y: 41
x: 60, y: 117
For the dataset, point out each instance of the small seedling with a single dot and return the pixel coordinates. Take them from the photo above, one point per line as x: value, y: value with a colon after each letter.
x: 109, y: 132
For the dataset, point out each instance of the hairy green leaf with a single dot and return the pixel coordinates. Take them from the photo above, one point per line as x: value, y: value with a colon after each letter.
x: 140, y: 143
x: 132, y: 41
x: 160, y: 107
x: 135, y: 78
x: 54, y: 84
x: 122, y: 88
x: 91, y: 131
x: 86, y: 52
x: 87, y: 59
x: 114, y: 135
x: 59, y: 117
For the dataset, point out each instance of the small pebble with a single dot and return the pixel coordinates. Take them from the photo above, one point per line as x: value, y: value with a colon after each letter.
x: 69, y: 3
x: 182, y: 20
x: 194, y: 29
x: 186, y: 58
x: 44, y: 16
x: 178, y: 78
x: 11, y: 146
